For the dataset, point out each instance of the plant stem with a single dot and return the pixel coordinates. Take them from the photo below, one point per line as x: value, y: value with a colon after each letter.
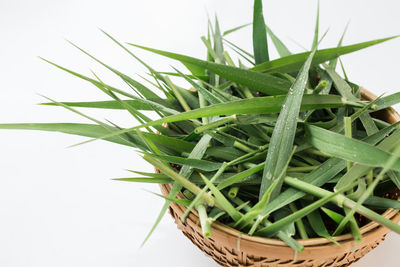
x: 342, y: 201
x: 214, y: 124
x: 204, y: 220
x: 299, y: 223
x: 348, y: 133
x: 177, y: 94
x: 321, y: 85
x: 178, y: 178
x: 233, y: 191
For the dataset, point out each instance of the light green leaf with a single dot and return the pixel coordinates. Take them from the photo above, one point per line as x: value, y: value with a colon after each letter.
x: 282, y: 139
x: 347, y: 148
x: 260, y: 44
x: 262, y: 82
x: 283, y: 51
x: 294, y: 62
x: 194, y: 163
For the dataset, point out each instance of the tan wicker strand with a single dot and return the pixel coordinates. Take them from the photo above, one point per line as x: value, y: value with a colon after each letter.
x: 266, y: 252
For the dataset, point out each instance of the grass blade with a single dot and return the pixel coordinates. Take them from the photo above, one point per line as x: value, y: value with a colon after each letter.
x: 283, y: 51
x: 294, y: 62
x: 227, y: 32
x: 200, y: 164
x: 346, y: 148
x: 262, y: 82
x: 284, y: 132
x: 260, y: 44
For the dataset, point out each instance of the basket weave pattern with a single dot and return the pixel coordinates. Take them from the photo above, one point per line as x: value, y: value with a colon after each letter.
x: 233, y: 258
x: 229, y: 247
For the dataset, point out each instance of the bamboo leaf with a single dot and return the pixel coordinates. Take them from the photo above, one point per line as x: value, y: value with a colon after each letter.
x: 283, y: 51
x: 146, y: 92
x: 333, y: 215
x: 323, y: 174
x: 318, y: 226
x: 194, y: 163
x: 223, y: 203
x: 146, y: 180
x: 260, y: 44
x: 316, y: 31
x: 388, y: 101
x: 257, y: 105
x: 294, y: 62
x: 284, y: 132
x: 227, y: 32
x: 276, y: 226
x: 262, y: 82
x: 112, y: 104
x: 87, y: 130
x: 347, y: 148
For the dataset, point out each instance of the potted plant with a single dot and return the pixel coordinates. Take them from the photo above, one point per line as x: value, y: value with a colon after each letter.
x: 261, y: 162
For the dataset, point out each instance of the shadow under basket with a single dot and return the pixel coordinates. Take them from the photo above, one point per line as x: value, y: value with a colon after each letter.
x: 230, y: 247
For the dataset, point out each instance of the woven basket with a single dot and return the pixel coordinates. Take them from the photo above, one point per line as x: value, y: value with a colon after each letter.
x: 229, y: 247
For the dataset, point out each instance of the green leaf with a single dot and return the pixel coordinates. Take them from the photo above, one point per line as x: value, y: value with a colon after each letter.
x: 358, y: 169
x: 283, y: 51
x: 333, y: 215
x: 262, y: 82
x: 221, y: 200
x: 240, y: 176
x: 276, y: 226
x: 346, y: 148
x: 146, y: 92
x: 211, y: 98
x: 316, y: 32
x: 325, y: 172
x: 218, y: 43
x: 146, y: 180
x: 294, y: 62
x: 388, y: 165
x: 260, y: 44
x: 257, y: 105
x: 381, y: 202
x: 388, y: 101
x: 179, y: 201
x: 318, y: 226
x: 341, y: 85
x: 284, y: 132
x: 227, y: 32
x: 88, y: 130
x: 194, y: 163
x: 136, y: 104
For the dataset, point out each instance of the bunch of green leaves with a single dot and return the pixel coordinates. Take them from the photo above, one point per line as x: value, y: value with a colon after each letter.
x: 283, y: 148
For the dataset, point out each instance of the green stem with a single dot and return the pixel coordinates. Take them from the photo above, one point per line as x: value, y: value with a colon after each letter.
x: 342, y: 201
x: 302, y: 169
x: 202, y: 104
x: 233, y: 191
x: 348, y: 133
x: 180, y: 179
x: 290, y: 241
x: 214, y: 124
x: 299, y: 223
x: 204, y: 190
x: 204, y: 220
x: 321, y: 86
x: 242, y: 147
x: 177, y: 94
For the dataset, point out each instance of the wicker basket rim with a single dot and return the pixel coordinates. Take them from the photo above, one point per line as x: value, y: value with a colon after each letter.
x: 368, y: 229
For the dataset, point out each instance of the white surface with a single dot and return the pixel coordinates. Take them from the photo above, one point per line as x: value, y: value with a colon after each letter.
x: 58, y: 207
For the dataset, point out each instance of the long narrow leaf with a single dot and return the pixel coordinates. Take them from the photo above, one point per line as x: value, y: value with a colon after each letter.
x: 284, y: 132
x: 294, y: 62
x: 262, y: 82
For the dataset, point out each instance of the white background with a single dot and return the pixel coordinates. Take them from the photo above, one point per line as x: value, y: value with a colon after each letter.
x: 58, y: 206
